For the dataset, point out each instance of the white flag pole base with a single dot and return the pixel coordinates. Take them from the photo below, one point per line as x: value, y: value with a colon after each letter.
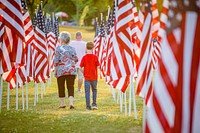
x: 37, y: 99
x: 121, y: 101
x: 26, y: 96
x: 8, y: 97
x: 42, y: 89
x: 17, y: 90
x: 23, y: 104
x: 130, y: 97
x: 1, y: 92
x: 118, y: 96
x: 134, y: 104
x: 125, y: 104
x: 130, y: 94
x: 35, y: 95
x: 114, y: 95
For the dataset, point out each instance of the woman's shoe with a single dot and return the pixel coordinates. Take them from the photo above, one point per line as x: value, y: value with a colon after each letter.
x: 71, y: 107
x: 62, y: 106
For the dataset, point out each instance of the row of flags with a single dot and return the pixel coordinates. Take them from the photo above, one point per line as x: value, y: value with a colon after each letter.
x: 161, y: 53
x: 132, y: 43
x: 26, y: 47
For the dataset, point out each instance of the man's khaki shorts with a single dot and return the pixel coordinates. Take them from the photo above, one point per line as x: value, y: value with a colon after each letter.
x: 79, y: 73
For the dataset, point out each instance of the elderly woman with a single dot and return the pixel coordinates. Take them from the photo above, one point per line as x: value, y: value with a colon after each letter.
x: 65, y: 71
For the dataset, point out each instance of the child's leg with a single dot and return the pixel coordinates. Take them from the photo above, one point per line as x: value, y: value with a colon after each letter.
x: 87, y: 92
x: 94, y: 92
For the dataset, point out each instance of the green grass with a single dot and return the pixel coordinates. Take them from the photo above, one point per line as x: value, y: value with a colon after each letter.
x: 46, y: 117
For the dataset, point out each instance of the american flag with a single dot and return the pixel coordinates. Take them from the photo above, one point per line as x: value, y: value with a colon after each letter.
x: 51, y: 38
x: 51, y: 41
x: 108, y: 23
x: 35, y: 20
x: 11, y: 76
x: 175, y: 100
x: 135, y: 29
x: 13, y: 39
x: 12, y: 15
x: 29, y: 38
x: 110, y: 46
x: 96, y: 37
x: 122, y: 53
x: 55, y: 29
x: 1, y: 43
x: 144, y: 81
x: 13, y: 20
x: 20, y: 71
x: 101, y: 45
x: 155, y: 28
x: 5, y: 49
x: 41, y: 53
x: 101, y: 41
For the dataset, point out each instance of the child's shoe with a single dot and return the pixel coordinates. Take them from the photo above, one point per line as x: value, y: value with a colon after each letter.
x: 88, y: 108
x: 94, y: 107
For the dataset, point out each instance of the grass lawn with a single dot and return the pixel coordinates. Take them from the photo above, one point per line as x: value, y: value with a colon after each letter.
x: 47, y: 118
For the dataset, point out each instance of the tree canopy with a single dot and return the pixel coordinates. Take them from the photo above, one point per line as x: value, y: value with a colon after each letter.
x: 74, y: 8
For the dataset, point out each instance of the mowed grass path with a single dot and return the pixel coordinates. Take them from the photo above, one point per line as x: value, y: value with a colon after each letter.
x: 47, y: 118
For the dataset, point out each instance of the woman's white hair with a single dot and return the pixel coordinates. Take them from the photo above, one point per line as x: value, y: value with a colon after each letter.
x: 65, y: 36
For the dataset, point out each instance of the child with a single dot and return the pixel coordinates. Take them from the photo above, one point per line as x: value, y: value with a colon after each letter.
x: 89, y: 64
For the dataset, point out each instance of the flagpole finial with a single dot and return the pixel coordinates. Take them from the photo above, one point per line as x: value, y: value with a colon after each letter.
x: 41, y: 4
x: 108, y: 10
x: 37, y: 6
x: 96, y: 19
x: 101, y: 16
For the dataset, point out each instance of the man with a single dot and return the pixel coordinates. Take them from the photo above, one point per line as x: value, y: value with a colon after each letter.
x: 80, y: 47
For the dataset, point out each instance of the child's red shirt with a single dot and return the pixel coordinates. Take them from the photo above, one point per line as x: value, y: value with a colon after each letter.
x: 90, y: 63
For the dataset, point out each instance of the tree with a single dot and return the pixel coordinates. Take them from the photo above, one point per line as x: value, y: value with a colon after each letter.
x: 32, y: 5
x: 74, y: 8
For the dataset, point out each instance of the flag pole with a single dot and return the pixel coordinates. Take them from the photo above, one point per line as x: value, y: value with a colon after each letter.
x: 49, y: 79
x: 134, y: 104
x: 1, y: 92
x: 17, y: 90
x: 118, y: 96
x: 8, y: 97
x: 130, y: 93
x: 23, y: 105
x: 35, y: 95
x: 113, y: 93
x: 108, y: 87
x: 26, y: 94
x: 125, y: 105
x: 101, y: 16
x: 121, y: 101
x: 42, y: 89
x: 108, y: 10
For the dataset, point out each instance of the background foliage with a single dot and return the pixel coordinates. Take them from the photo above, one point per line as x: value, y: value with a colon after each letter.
x: 74, y: 8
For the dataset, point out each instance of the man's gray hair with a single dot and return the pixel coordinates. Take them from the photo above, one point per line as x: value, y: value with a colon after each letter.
x: 78, y: 34
x: 65, y: 36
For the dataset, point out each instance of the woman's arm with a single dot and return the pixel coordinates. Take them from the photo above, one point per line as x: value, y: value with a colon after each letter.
x: 57, y: 57
x: 56, y: 61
